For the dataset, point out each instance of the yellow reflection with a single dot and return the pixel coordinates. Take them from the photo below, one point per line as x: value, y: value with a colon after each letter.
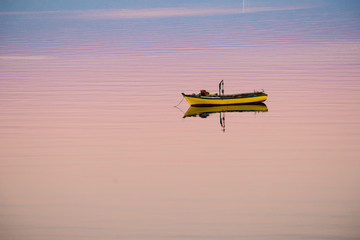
x: 206, y: 111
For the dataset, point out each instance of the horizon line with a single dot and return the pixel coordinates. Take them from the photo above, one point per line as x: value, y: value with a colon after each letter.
x: 108, y: 14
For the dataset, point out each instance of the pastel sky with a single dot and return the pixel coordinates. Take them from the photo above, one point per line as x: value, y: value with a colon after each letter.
x: 137, y: 9
x: 51, y: 5
x: 48, y: 5
x: 167, y: 12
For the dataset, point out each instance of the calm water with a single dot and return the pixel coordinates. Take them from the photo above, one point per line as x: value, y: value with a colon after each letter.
x: 92, y: 147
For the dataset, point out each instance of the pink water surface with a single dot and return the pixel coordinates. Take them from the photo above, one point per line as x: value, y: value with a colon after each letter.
x: 92, y: 147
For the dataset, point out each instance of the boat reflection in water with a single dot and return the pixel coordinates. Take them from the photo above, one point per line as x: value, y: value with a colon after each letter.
x: 204, y: 112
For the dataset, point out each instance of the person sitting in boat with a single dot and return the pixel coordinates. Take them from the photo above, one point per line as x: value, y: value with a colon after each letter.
x: 204, y: 93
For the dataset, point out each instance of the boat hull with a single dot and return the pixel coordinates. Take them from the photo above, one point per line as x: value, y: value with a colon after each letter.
x: 196, y: 100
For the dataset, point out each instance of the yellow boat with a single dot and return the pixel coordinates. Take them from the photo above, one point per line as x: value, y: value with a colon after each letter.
x: 203, y: 112
x: 206, y: 99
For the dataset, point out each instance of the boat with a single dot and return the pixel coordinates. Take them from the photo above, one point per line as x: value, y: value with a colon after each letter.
x: 206, y: 99
x: 204, y: 112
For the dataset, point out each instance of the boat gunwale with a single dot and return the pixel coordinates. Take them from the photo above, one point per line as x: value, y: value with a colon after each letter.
x: 230, y: 96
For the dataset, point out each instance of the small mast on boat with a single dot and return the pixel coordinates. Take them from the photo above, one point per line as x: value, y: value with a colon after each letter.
x: 221, y: 88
